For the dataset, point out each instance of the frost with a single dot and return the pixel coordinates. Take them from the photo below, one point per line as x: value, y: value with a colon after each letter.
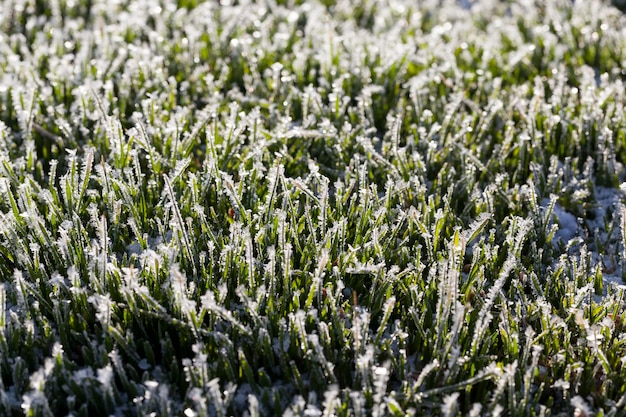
x: 178, y: 284
x: 450, y: 405
x: 105, y: 377
x: 103, y: 305
x: 35, y: 401
x: 83, y: 374
x: 561, y: 384
x: 581, y: 409
x: 215, y: 208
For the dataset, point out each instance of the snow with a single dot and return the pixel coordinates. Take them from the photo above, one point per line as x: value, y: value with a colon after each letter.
x: 600, y: 231
x: 568, y: 224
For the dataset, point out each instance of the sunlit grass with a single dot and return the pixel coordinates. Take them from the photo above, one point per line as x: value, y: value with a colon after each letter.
x: 312, y: 208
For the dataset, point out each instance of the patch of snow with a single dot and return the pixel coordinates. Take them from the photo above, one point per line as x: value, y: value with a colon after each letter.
x: 568, y: 224
x: 595, y: 231
x: 608, y: 203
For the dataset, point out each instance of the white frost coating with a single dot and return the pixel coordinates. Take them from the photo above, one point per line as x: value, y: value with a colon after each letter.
x: 153, y: 244
x: 105, y: 377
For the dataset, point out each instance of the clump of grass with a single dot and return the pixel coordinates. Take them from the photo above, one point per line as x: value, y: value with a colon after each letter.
x: 311, y: 208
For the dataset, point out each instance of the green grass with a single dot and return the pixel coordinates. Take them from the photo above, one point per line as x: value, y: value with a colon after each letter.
x: 312, y: 208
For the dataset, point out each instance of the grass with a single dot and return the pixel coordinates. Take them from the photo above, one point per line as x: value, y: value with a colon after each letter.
x: 312, y: 208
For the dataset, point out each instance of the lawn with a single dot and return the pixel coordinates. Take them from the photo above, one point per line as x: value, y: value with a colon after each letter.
x: 325, y: 208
